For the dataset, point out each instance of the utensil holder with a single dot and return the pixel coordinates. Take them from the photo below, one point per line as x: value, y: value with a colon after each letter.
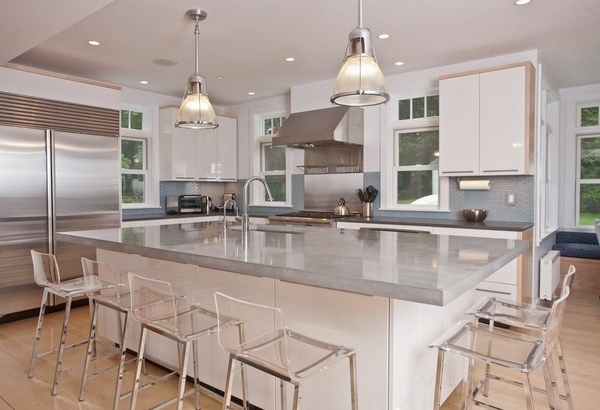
x: 367, y: 209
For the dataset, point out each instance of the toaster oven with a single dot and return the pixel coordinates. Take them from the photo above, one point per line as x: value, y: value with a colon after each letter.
x: 192, y: 204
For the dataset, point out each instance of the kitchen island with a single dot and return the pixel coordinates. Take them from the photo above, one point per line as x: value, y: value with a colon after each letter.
x: 385, y: 293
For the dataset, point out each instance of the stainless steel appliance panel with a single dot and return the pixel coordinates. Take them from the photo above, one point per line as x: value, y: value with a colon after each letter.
x: 322, y: 192
x: 23, y: 215
x: 86, y: 192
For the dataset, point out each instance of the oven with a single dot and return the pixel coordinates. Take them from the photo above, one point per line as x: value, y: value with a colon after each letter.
x: 308, y: 218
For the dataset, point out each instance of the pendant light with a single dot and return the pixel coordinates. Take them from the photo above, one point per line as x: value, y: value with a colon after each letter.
x: 196, y: 111
x: 360, y: 81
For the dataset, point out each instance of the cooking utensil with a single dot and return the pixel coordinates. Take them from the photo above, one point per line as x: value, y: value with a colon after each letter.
x: 475, y: 215
x: 341, y: 208
x: 361, y: 195
x: 371, y: 193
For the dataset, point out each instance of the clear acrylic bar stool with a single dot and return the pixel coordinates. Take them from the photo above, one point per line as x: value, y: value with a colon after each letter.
x: 116, y: 297
x: 509, y: 350
x: 158, y: 310
x: 47, y: 275
x: 262, y: 341
x: 529, y: 317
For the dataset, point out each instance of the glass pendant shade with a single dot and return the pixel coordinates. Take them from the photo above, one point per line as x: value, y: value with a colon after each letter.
x: 360, y: 81
x: 196, y: 111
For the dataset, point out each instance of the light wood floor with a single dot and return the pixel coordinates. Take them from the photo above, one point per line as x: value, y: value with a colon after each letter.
x: 580, y: 337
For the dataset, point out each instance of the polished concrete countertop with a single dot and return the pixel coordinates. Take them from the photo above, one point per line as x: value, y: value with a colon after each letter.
x: 424, y: 268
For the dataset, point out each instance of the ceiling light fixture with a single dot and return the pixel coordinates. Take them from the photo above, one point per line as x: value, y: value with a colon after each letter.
x: 93, y: 43
x: 360, y: 81
x: 290, y: 59
x: 196, y: 111
x: 522, y: 2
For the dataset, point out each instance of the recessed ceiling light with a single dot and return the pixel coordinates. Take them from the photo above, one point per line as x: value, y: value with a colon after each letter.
x: 383, y: 36
x: 93, y: 43
x: 164, y: 62
x: 290, y: 59
x: 522, y: 2
x: 144, y: 82
x: 399, y: 63
x: 220, y: 77
x: 251, y: 93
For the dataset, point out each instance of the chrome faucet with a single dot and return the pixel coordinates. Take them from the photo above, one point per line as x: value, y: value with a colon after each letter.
x: 245, y: 216
x: 224, y: 220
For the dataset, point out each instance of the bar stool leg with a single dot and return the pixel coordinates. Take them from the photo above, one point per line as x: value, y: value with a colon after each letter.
x: 551, y: 385
x: 353, y: 382
x: 183, y: 358
x: 282, y: 395
x: 297, y: 396
x: 38, y: 332
x: 229, y: 385
x: 61, y: 348
x: 90, y: 347
x: 122, y: 354
x: 437, y: 394
x: 527, y: 391
x: 563, y: 371
x: 196, y: 372
x: 138, y: 368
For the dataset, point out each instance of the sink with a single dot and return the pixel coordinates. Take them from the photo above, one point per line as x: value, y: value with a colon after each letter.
x: 280, y: 228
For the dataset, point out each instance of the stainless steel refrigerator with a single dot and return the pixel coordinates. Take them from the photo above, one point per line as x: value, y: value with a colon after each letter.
x: 51, y: 181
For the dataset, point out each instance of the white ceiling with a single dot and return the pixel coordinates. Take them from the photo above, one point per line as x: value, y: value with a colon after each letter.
x: 247, y: 41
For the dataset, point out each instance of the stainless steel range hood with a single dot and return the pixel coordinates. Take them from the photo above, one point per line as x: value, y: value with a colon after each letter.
x: 328, y: 127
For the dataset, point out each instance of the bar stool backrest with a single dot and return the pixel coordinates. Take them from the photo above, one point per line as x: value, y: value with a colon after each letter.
x: 555, y: 320
x: 114, y: 286
x: 261, y: 332
x: 45, y: 269
x: 152, y: 301
x: 568, y: 280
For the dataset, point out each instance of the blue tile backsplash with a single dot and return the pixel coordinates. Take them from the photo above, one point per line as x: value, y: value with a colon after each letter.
x: 494, y: 200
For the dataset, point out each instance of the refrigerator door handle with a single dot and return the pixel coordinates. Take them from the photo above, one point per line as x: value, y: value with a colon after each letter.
x: 50, y: 184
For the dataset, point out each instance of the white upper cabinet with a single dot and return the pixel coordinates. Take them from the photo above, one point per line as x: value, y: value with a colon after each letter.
x: 487, y: 121
x: 203, y: 155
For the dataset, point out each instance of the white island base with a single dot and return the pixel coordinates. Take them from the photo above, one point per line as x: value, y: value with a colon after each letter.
x: 396, y: 369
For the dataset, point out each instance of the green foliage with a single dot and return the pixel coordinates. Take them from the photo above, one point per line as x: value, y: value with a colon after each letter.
x: 589, y: 116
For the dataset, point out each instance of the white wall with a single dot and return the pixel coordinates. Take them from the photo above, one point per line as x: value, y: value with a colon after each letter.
x: 60, y: 89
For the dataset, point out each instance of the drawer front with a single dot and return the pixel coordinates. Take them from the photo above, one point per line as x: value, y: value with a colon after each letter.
x: 500, y: 290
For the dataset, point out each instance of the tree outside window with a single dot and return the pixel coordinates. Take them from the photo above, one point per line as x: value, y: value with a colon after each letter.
x: 273, y: 159
x: 416, y: 167
x: 133, y: 171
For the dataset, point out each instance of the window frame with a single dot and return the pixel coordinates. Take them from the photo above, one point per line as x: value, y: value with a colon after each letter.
x: 144, y: 171
x: 257, y: 192
x: 389, y: 149
x: 571, y: 100
x: 579, y: 181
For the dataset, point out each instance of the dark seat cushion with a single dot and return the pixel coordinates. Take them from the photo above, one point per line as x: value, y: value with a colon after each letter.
x: 577, y: 237
x: 578, y: 250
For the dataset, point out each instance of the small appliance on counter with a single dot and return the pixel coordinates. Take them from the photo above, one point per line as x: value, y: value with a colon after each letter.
x: 189, y: 204
x: 172, y: 204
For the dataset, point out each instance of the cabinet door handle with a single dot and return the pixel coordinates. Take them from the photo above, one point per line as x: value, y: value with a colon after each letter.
x: 457, y: 172
x: 500, y: 170
x: 184, y: 177
x: 494, y: 291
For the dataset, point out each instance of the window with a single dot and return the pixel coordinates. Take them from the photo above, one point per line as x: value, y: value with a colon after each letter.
x: 588, y: 115
x: 410, y: 157
x: 273, y: 162
x: 588, y: 178
x: 132, y: 120
x: 416, y: 160
x: 134, y: 171
x: 418, y: 107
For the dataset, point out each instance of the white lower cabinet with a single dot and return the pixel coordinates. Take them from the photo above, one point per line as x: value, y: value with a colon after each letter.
x: 504, y: 282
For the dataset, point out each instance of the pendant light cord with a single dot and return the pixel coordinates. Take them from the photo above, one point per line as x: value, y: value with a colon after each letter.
x: 360, y: 21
